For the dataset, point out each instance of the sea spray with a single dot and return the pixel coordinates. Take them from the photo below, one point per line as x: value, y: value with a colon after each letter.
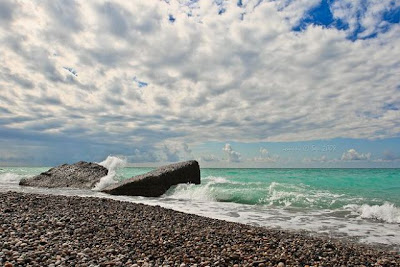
x: 112, y: 163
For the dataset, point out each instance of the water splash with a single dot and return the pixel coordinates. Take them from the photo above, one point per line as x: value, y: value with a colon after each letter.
x: 112, y: 163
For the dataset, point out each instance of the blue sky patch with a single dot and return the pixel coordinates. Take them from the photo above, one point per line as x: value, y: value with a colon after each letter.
x: 390, y: 106
x: 392, y: 16
x: 221, y: 8
x: 321, y: 15
x: 140, y: 84
x: 171, y: 18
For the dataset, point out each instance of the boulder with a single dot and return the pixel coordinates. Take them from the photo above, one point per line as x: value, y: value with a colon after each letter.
x: 158, y: 181
x: 83, y: 175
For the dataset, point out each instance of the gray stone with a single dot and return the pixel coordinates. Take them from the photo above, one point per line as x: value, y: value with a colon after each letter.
x: 84, y: 175
x: 157, y: 182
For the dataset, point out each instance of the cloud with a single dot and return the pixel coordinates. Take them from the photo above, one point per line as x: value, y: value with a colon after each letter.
x: 187, y: 152
x: 139, y: 156
x: 186, y: 148
x: 65, y: 15
x: 209, y: 158
x: 243, y: 73
x: 365, y: 18
x: 233, y: 156
x: 321, y: 159
x: 352, y: 154
x: 171, y: 154
x: 265, y: 156
x: 388, y: 156
x: 265, y: 159
x: 6, y: 11
x: 263, y: 151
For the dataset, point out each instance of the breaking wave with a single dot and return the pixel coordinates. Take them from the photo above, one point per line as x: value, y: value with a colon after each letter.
x: 10, y: 177
x: 387, y: 212
x: 255, y: 193
x: 112, y: 163
x: 282, y: 195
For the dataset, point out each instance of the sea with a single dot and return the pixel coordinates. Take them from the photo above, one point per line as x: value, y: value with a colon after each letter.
x: 362, y: 205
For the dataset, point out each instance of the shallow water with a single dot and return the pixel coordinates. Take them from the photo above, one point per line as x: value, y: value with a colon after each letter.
x: 360, y: 204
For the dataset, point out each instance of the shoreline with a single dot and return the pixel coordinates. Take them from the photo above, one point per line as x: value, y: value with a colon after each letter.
x: 82, y: 231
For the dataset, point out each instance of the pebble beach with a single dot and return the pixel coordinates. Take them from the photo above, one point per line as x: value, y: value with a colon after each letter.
x: 44, y: 230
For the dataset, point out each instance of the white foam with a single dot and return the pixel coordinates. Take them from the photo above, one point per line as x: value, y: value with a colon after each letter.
x: 217, y: 180
x: 112, y: 163
x: 10, y: 177
x: 223, y: 180
x: 192, y: 192
x: 387, y: 212
x: 204, y: 192
x: 290, y: 195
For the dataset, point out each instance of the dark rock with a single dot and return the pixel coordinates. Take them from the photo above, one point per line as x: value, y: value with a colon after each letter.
x: 84, y: 175
x: 157, y: 182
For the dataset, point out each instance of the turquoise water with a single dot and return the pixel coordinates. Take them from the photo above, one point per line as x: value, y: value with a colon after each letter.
x: 297, y: 188
x: 314, y: 188
x: 360, y: 203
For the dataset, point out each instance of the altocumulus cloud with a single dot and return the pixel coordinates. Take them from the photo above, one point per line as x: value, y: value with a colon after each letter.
x: 219, y: 69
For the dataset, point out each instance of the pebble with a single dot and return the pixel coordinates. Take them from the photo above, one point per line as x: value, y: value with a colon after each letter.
x: 45, y: 230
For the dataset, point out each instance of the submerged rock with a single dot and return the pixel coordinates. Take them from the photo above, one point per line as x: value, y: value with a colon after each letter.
x: 157, y: 182
x: 84, y: 175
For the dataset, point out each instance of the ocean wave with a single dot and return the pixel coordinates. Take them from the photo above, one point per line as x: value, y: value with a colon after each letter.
x: 278, y: 194
x: 387, y: 212
x: 222, y: 180
x: 10, y: 177
x: 192, y: 192
x: 272, y: 194
x: 112, y: 163
x: 300, y: 195
x: 213, y: 188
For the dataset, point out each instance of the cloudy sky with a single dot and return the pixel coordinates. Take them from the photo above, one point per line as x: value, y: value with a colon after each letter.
x: 273, y: 83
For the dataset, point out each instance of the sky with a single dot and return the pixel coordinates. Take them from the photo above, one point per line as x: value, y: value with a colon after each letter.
x: 276, y: 84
